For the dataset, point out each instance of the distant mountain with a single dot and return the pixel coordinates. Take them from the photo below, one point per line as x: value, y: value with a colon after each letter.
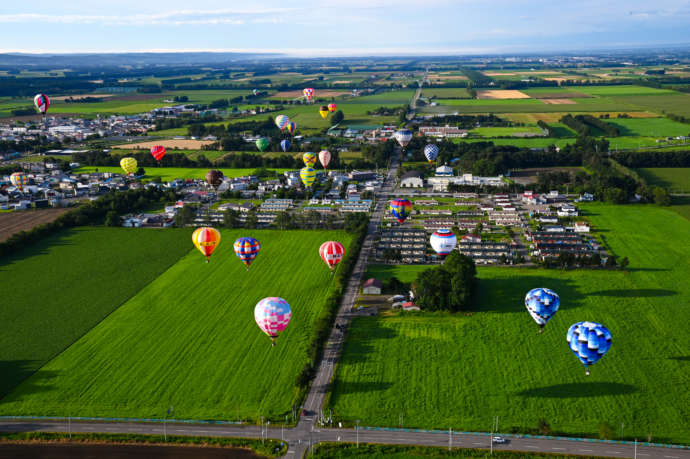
x: 130, y: 59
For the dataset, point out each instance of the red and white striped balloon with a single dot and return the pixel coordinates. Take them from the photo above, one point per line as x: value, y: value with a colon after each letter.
x: 331, y: 253
x: 325, y: 158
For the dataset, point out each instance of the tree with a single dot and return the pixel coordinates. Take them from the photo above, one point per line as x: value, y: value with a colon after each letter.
x: 231, y: 219
x: 185, y: 216
x: 543, y: 427
x: 337, y: 117
x: 252, y: 220
x: 283, y: 220
x: 432, y: 288
x: 447, y: 287
x: 606, y: 431
x: 624, y: 263
x: 112, y: 219
x: 661, y: 197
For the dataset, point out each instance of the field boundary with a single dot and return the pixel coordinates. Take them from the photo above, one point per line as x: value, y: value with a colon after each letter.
x: 541, y: 437
x: 143, y: 420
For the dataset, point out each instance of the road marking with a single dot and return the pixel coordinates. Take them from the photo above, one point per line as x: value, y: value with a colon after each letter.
x: 614, y: 452
x: 476, y: 443
x: 586, y: 450
x: 642, y: 454
x: 562, y: 449
x: 530, y: 446
x: 675, y: 457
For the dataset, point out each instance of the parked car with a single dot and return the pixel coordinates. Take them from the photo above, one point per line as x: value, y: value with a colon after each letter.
x: 498, y: 440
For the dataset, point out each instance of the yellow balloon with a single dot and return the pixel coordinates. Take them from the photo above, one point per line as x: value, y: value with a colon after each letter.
x: 129, y: 165
x: 323, y: 113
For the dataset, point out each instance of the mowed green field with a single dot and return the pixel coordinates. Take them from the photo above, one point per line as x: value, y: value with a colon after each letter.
x: 189, y: 339
x: 659, y: 127
x: 676, y: 179
x: 442, y: 93
x: 59, y: 288
x: 459, y: 371
x: 171, y: 173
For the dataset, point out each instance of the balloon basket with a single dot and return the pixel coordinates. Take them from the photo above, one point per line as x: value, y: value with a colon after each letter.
x: 207, y: 260
x: 586, y: 372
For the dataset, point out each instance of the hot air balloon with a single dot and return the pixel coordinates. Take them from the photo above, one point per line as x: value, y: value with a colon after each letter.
x: 261, y: 143
x: 331, y: 253
x: 401, y: 208
x: 332, y: 107
x: 308, y: 175
x: 247, y: 248
x: 19, y: 179
x: 158, y: 151
x: 431, y: 152
x: 282, y: 121
x: 325, y: 158
x: 42, y: 103
x: 589, y: 341
x: 308, y: 94
x: 255, y: 91
x: 403, y: 136
x: 443, y: 241
x: 129, y: 165
x: 292, y: 127
x: 309, y: 159
x: 206, y: 239
x: 214, y: 177
x: 285, y: 145
x: 542, y: 304
x: 323, y: 111
x: 272, y: 315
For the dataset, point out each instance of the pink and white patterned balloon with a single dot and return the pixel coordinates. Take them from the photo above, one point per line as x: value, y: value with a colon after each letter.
x: 272, y: 315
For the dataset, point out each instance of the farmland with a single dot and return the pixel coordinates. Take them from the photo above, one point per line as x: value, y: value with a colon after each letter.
x: 189, y: 339
x: 465, y: 368
x: 171, y: 173
x: 56, y: 290
x: 14, y: 222
x: 677, y: 179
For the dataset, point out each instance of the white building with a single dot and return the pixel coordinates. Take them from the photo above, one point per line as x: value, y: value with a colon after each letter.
x: 412, y: 179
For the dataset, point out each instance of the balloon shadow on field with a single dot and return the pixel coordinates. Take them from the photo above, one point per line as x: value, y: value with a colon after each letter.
x: 34, y: 248
x: 579, y: 390
x: 681, y: 358
x: 507, y: 294
x: 636, y: 293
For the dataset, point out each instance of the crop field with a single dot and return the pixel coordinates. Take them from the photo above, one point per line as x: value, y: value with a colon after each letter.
x: 171, y: 173
x: 459, y: 371
x: 172, y: 143
x: 24, y: 220
x: 57, y: 289
x: 676, y: 103
x: 676, y: 179
x: 659, y: 127
x: 188, y: 339
x: 444, y: 93
x: 506, y: 131
x: 532, y: 142
x: 620, y: 90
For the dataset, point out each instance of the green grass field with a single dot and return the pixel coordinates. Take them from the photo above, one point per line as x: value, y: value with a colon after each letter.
x: 653, y: 127
x: 620, y: 90
x: 171, y: 173
x: 59, y: 288
x: 677, y: 103
x: 505, y: 131
x: 442, y: 93
x: 189, y: 339
x: 459, y: 371
x: 676, y: 179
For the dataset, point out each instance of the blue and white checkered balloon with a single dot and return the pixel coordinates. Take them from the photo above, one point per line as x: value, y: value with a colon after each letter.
x: 589, y: 341
x: 542, y: 304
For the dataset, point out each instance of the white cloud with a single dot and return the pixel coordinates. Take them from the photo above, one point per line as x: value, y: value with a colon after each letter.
x: 180, y: 17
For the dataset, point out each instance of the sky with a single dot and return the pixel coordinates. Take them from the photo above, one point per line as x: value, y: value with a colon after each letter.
x: 340, y: 27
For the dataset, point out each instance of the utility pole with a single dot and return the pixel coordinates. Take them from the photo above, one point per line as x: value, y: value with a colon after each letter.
x: 450, y: 438
x: 69, y: 426
x: 636, y: 448
x: 357, y: 430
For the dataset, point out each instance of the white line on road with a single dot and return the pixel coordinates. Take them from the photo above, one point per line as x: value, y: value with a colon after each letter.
x: 530, y: 446
x: 562, y: 449
x: 586, y: 450
x: 674, y: 457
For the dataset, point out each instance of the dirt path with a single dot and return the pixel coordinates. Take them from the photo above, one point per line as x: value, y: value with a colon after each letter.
x: 23, y: 220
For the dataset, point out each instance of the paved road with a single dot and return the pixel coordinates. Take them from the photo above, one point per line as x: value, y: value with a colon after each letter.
x: 299, y: 439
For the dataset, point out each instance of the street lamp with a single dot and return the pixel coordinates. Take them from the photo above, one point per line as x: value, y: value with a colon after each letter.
x: 357, y: 430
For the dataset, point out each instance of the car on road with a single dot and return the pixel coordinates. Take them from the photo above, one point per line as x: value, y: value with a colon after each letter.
x: 499, y: 440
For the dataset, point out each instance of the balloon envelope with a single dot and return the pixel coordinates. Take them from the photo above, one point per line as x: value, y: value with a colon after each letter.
x: 589, y: 341
x: 401, y: 209
x: 285, y: 145
x: 292, y: 127
x: 431, y: 152
x: 542, y: 304
x: 323, y: 111
x: 308, y: 175
x: 247, y: 248
x: 331, y: 253
x: 282, y: 121
x: 309, y: 159
x: 206, y: 239
x: 308, y: 93
x: 272, y: 315
x: 443, y: 241
x: 262, y: 143
x: 403, y: 136
x: 157, y: 151
x: 325, y: 158
x: 214, y: 177
x: 19, y: 179
x: 42, y: 103
x: 129, y: 165
x: 332, y: 107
